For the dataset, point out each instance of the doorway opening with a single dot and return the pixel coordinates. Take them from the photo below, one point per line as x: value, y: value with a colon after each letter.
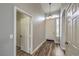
x: 22, y: 32
x: 57, y: 31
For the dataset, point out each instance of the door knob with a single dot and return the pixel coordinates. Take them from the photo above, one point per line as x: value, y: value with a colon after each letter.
x: 20, y: 36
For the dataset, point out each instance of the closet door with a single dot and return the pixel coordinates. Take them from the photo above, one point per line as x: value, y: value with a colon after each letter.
x: 73, y: 31
x: 72, y: 48
x: 69, y: 31
x: 69, y: 25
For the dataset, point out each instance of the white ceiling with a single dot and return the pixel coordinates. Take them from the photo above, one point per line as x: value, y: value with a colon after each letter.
x: 54, y: 8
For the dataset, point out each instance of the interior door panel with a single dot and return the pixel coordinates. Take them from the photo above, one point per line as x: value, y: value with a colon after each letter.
x: 73, y: 31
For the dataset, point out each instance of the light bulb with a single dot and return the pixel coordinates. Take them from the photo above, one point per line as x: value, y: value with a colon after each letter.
x: 49, y: 17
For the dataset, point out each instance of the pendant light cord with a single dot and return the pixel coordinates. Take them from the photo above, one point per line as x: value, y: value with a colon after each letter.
x: 49, y: 9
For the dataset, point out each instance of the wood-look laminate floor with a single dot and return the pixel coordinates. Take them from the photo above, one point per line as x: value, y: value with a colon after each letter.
x: 22, y: 53
x: 57, y: 51
x: 47, y: 49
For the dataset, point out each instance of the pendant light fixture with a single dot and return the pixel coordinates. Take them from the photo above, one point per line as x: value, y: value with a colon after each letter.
x: 49, y: 15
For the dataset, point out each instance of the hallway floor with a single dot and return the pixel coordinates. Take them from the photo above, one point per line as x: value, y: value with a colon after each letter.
x: 49, y: 48
x: 22, y: 53
x: 46, y: 49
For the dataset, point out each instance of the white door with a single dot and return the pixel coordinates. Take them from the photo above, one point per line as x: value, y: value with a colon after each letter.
x: 72, y: 48
x: 23, y: 32
x: 50, y: 29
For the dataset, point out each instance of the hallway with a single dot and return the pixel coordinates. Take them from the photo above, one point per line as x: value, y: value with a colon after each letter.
x: 49, y: 48
x: 39, y: 29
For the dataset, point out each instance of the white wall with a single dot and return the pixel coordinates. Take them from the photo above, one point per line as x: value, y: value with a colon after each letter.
x: 7, y: 25
x: 6, y: 28
x: 50, y: 29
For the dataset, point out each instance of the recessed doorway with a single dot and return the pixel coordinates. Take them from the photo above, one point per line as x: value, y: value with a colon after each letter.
x: 22, y: 32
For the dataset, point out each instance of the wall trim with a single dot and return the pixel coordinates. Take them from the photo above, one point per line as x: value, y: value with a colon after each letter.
x: 38, y: 47
x: 14, y: 31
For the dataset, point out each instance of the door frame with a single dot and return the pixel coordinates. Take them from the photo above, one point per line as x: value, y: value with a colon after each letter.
x: 30, y: 36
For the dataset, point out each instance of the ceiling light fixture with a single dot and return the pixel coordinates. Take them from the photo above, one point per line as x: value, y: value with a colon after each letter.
x: 49, y: 15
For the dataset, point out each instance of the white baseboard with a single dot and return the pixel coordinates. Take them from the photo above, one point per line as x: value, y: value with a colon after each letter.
x: 37, y: 47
